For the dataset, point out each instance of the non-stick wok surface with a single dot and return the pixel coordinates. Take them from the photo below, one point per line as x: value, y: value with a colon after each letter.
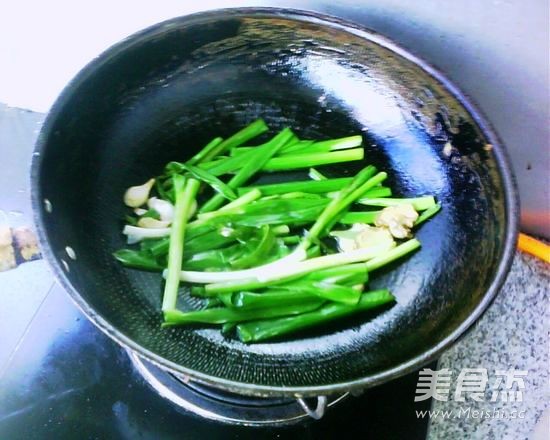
x: 163, y: 93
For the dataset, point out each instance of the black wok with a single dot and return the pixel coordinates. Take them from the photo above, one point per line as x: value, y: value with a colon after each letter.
x: 164, y: 92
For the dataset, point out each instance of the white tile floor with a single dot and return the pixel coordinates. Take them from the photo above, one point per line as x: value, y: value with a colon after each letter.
x: 22, y: 290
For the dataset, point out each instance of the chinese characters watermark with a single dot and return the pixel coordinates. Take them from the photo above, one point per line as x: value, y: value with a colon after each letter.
x: 471, y: 383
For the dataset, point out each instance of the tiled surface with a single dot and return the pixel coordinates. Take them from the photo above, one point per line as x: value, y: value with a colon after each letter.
x: 18, y: 131
x: 513, y: 334
x: 21, y: 289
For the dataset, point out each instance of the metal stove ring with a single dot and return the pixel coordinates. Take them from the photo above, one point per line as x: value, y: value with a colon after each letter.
x: 223, y: 407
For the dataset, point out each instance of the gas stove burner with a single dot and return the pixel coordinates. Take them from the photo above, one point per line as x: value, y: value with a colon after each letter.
x: 231, y: 408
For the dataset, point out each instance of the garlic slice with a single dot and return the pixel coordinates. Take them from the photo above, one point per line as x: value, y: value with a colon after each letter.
x: 399, y: 219
x: 149, y: 222
x: 361, y: 236
x: 136, y: 196
x: 164, y: 208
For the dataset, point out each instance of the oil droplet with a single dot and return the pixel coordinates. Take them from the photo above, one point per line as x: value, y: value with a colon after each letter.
x: 48, y: 206
x: 70, y: 252
x: 36, y: 153
x: 226, y: 232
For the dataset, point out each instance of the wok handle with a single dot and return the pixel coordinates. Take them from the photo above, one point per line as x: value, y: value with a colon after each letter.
x: 320, y: 409
x: 534, y: 247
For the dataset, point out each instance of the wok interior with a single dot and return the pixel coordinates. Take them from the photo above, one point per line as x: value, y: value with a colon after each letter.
x: 165, y: 93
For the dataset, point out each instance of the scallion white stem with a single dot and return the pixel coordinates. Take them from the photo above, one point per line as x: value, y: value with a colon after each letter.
x: 287, y: 267
x: 393, y: 254
x: 186, y: 192
x: 419, y: 203
x: 136, y: 234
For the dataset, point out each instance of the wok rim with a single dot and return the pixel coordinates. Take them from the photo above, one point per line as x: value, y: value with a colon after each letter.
x: 429, y: 355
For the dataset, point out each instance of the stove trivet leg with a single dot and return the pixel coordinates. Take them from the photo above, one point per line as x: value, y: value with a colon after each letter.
x: 319, y: 411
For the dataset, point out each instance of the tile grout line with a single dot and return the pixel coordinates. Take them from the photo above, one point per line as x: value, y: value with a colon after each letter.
x: 4, y: 368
